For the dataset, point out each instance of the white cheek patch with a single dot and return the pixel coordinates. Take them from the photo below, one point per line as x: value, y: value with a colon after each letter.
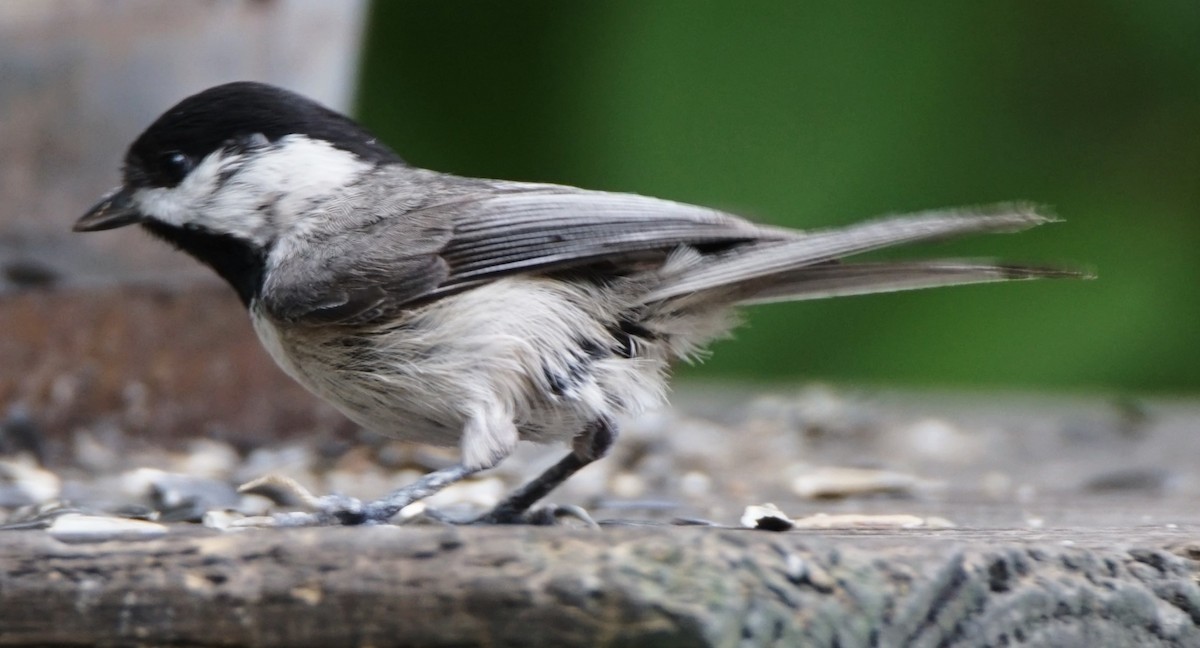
x: 266, y: 194
x: 180, y: 205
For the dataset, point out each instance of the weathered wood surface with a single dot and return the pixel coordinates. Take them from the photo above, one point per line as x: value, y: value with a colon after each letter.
x: 657, y: 586
x: 1076, y: 518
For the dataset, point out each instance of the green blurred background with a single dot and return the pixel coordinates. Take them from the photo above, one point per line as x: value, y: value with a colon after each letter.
x: 812, y: 114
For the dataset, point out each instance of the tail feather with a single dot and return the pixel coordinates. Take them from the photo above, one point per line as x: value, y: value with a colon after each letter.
x: 800, y: 267
x: 840, y: 280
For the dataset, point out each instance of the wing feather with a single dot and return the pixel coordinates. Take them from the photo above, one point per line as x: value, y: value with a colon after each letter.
x: 522, y: 232
x: 469, y: 234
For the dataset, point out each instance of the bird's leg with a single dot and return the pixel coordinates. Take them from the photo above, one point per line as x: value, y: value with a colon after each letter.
x: 385, y: 508
x: 592, y: 444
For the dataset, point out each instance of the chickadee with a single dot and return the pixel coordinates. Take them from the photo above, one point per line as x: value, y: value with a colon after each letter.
x: 470, y: 312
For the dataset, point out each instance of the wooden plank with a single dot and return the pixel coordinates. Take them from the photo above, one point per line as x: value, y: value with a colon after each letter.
x: 662, y: 586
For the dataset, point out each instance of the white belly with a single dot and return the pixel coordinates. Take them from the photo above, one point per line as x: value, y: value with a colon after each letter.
x: 467, y: 364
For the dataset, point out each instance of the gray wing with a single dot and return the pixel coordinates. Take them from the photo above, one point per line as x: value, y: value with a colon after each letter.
x: 375, y: 269
x: 358, y: 275
x: 415, y: 256
x: 546, y: 230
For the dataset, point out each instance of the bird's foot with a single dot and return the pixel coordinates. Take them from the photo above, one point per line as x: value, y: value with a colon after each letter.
x: 323, y: 510
x: 551, y: 515
x: 340, y: 510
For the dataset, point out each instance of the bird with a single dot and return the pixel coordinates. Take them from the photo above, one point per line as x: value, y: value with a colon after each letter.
x: 477, y: 313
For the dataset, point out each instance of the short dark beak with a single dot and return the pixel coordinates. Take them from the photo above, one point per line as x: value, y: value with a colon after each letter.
x: 113, y: 211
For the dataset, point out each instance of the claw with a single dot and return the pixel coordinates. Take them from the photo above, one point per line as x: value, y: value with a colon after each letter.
x: 542, y: 516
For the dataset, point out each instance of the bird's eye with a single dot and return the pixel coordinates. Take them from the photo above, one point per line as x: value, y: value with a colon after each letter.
x: 175, y: 166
